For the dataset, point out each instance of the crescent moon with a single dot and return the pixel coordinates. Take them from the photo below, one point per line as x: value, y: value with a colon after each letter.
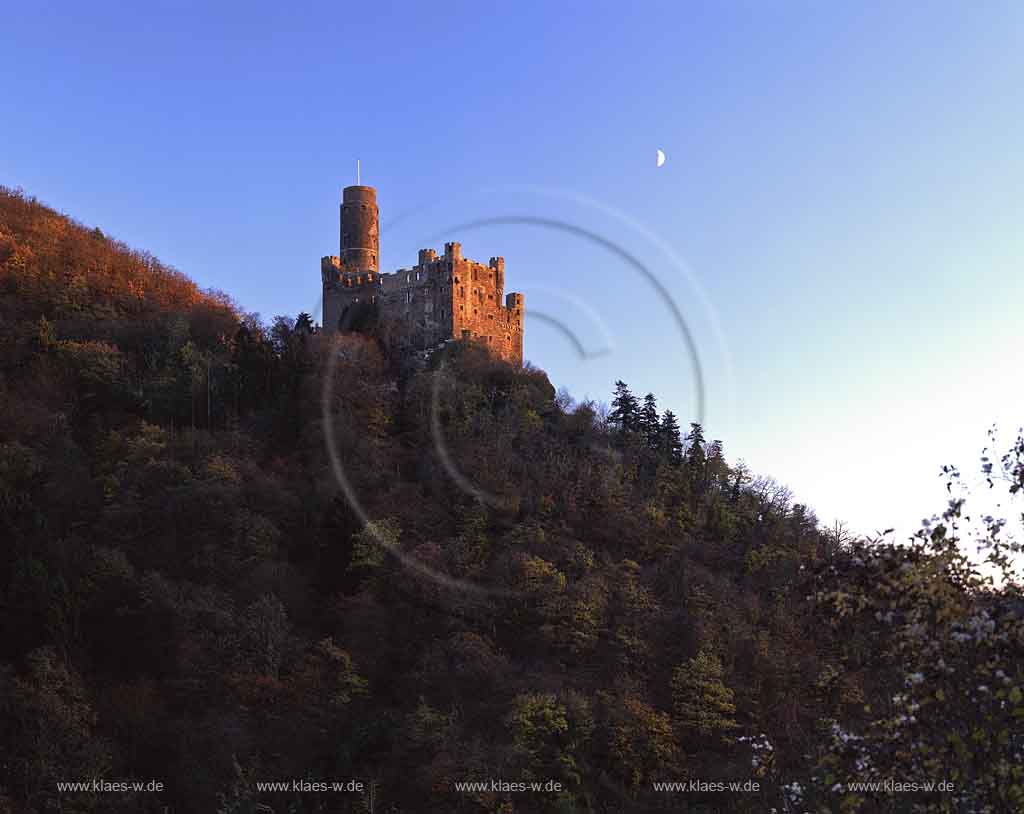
x: 661, y: 158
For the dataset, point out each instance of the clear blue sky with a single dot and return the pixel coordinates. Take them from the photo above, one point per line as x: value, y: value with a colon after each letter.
x: 844, y: 185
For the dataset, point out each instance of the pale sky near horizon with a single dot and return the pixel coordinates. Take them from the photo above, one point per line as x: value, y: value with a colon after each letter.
x: 839, y: 222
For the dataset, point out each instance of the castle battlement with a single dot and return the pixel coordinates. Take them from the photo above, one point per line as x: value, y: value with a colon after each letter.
x: 442, y: 297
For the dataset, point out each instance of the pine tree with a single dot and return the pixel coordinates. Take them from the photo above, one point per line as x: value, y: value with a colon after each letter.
x: 695, y: 460
x: 715, y: 467
x: 695, y: 447
x: 647, y: 421
x: 702, y: 701
x: 303, y: 324
x: 670, y: 443
x: 625, y: 408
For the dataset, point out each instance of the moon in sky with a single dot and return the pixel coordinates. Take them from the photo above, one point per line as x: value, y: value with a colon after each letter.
x: 661, y: 158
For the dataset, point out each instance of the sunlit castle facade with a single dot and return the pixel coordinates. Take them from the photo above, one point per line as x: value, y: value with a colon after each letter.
x: 442, y: 297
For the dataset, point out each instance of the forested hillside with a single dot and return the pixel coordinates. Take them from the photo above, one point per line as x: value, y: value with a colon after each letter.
x: 234, y: 553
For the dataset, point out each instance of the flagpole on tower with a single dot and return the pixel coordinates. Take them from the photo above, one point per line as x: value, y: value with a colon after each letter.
x: 358, y: 181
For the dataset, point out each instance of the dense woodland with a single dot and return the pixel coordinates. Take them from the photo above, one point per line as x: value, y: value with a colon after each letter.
x: 234, y: 553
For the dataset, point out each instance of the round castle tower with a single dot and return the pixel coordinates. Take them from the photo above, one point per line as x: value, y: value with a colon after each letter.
x: 359, y: 229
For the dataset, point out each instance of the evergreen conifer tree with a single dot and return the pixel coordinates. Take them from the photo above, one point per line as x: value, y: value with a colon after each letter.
x: 625, y: 408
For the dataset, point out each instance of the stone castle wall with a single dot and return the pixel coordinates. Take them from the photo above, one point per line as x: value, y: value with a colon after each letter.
x: 440, y: 298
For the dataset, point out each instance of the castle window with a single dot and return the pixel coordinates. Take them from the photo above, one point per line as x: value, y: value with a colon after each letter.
x: 462, y: 291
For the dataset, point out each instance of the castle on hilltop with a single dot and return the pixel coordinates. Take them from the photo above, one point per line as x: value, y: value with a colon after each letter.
x: 438, y: 299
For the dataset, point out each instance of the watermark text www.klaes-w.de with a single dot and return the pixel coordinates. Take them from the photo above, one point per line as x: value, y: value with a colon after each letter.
x: 497, y: 785
x: 694, y: 785
x: 896, y: 786
x: 98, y: 785
x: 306, y: 785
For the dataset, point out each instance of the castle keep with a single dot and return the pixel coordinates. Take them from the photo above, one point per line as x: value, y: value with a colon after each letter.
x: 440, y: 298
